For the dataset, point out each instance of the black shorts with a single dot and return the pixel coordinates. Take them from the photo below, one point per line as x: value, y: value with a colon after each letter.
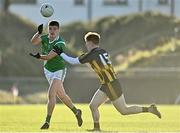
x: 112, y: 89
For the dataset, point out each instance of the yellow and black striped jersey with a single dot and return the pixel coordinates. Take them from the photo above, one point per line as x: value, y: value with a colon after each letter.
x: 99, y: 60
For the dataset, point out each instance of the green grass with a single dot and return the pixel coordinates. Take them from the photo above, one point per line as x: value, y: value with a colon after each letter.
x: 28, y: 118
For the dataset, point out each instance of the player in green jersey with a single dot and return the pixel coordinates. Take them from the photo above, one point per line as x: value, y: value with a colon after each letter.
x: 54, y: 69
x: 110, y: 88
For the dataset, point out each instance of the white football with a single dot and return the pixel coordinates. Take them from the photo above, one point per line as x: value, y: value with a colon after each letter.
x: 46, y: 10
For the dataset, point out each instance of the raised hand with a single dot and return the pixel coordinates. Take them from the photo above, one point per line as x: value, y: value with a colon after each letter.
x: 40, y: 29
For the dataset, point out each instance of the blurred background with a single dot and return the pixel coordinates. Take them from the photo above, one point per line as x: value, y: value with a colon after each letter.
x: 142, y: 37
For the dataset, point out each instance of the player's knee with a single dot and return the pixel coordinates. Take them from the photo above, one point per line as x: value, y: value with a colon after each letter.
x: 123, y: 111
x: 51, y: 96
x: 62, y: 96
x: 93, y: 106
x: 51, y: 99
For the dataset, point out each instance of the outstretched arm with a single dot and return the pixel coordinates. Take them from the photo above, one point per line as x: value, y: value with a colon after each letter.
x: 51, y: 55
x: 69, y: 59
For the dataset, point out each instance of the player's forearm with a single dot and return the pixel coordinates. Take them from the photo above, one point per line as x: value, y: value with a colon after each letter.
x: 69, y: 59
x: 45, y: 57
x: 51, y: 55
x: 36, y: 39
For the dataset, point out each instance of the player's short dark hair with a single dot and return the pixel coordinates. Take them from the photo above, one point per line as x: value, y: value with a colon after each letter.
x: 54, y: 23
x: 92, y: 36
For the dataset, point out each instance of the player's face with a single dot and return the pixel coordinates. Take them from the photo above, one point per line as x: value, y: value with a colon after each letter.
x: 53, y: 32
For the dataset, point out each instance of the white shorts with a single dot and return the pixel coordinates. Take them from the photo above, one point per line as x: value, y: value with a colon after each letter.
x: 50, y: 76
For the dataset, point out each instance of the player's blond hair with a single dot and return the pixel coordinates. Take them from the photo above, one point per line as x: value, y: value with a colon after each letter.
x: 92, y: 36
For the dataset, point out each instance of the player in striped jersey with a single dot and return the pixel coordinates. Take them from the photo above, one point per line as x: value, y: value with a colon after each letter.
x: 54, y: 69
x: 110, y: 87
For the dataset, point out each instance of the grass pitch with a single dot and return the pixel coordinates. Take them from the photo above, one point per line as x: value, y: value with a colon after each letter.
x: 29, y: 118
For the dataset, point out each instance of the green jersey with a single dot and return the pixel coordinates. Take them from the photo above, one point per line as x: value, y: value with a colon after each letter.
x: 56, y: 63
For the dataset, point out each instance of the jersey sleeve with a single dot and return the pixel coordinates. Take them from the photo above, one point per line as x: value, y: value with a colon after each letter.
x: 85, y: 58
x: 61, y: 44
